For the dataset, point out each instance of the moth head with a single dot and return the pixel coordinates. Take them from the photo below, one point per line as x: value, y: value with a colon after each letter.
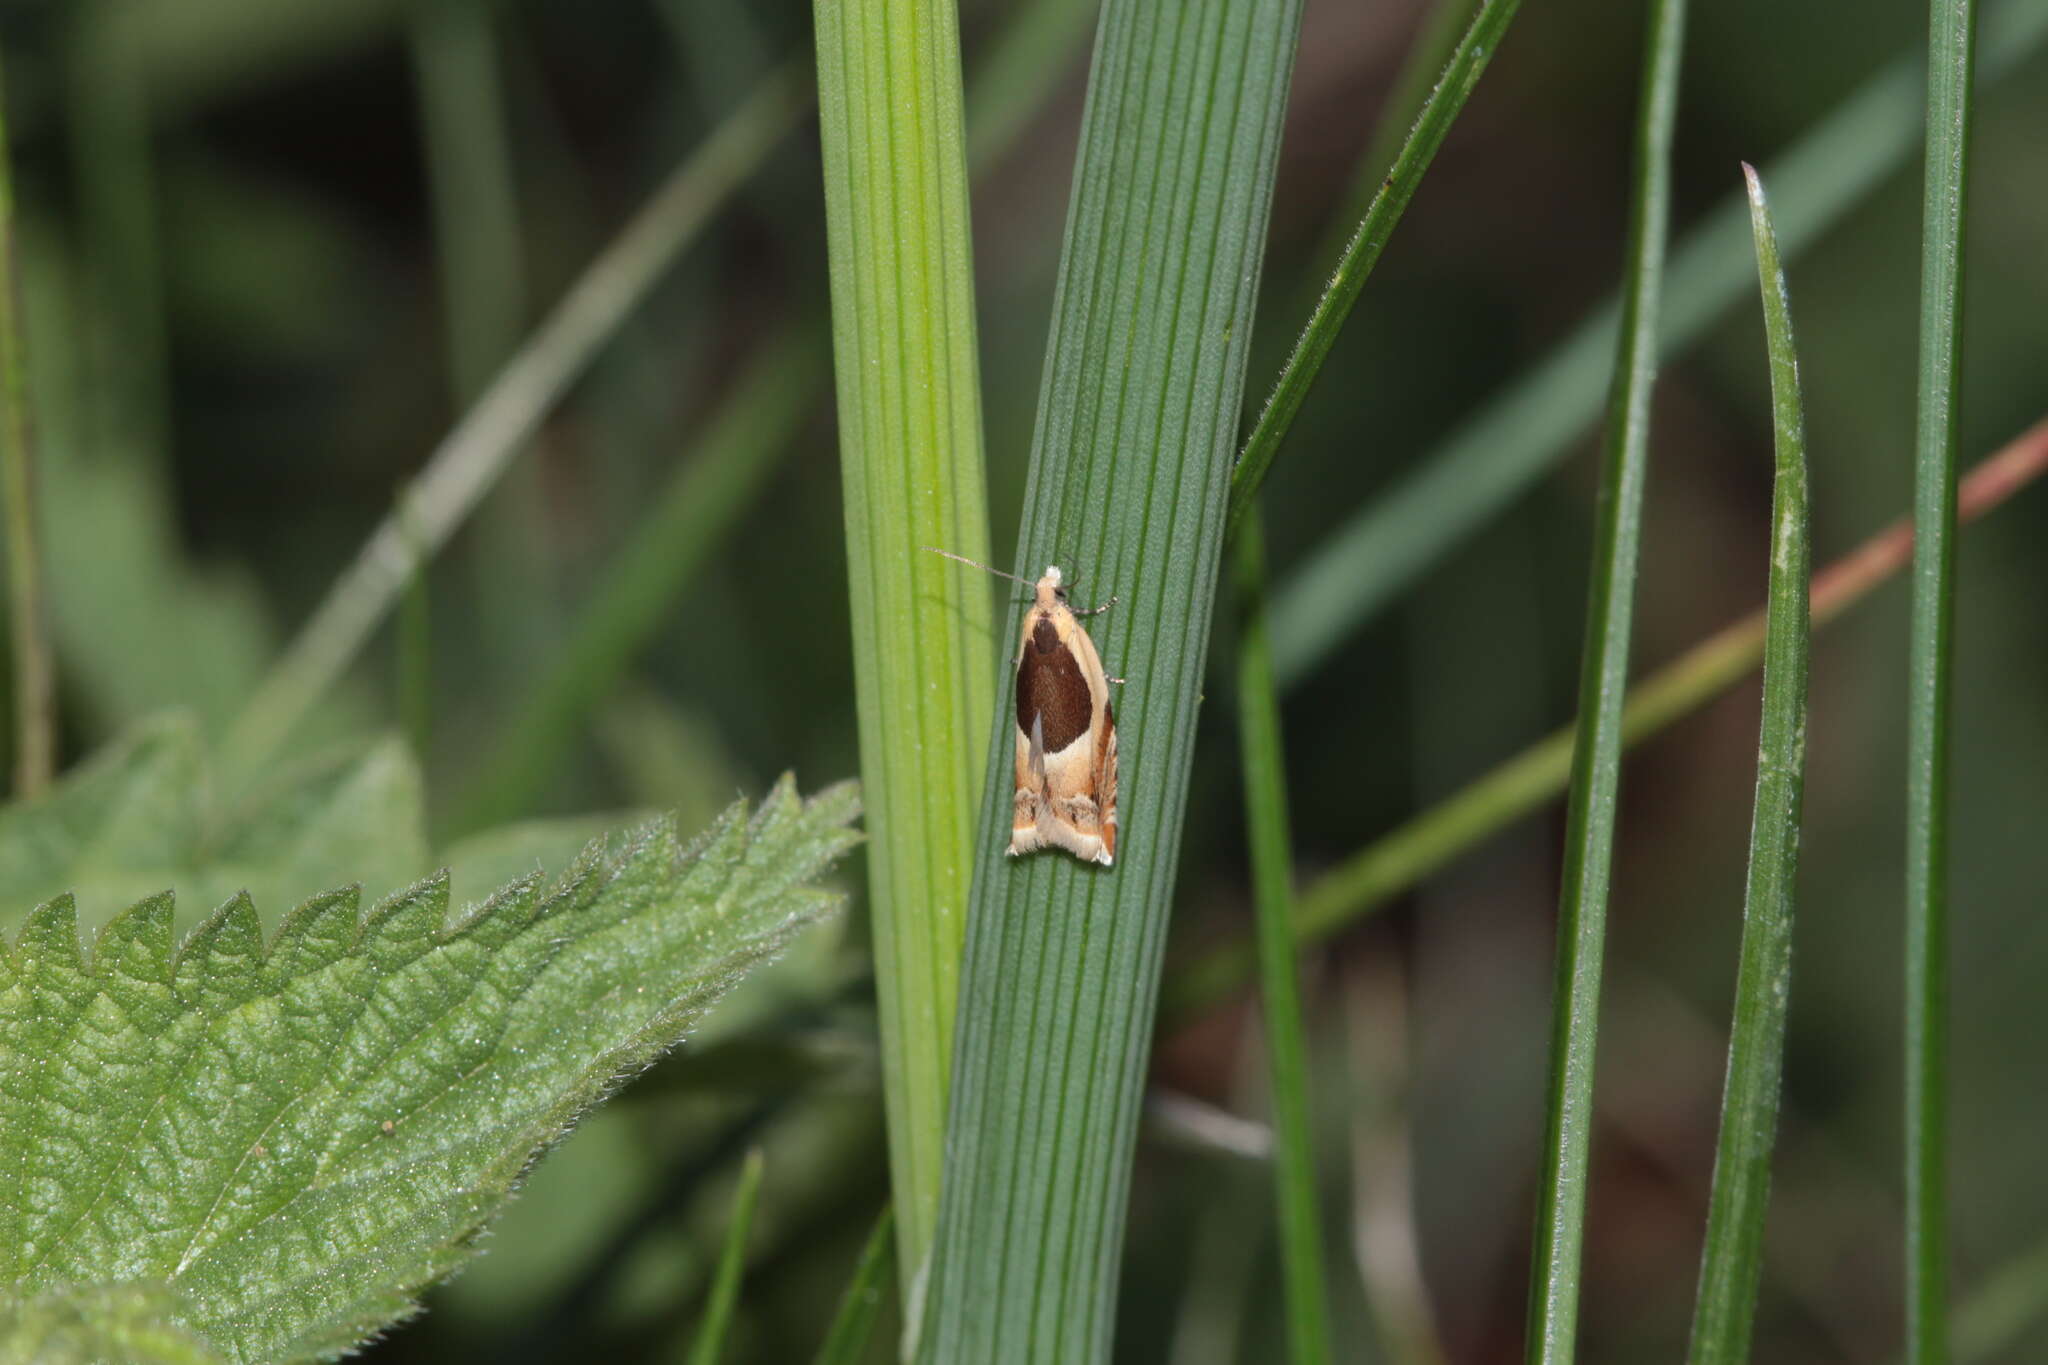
x: 1052, y: 588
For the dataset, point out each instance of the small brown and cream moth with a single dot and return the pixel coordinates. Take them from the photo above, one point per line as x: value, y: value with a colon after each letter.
x: 1066, y: 730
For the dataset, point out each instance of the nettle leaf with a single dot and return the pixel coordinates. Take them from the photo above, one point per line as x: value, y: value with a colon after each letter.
x: 138, y: 817
x: 296, y: 1139
x: 135, y: 1324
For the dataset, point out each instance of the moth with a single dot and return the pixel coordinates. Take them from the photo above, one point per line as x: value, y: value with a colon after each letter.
x: 1066, y: 729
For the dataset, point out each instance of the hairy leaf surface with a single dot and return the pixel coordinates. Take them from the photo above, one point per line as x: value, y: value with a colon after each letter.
x: 296, y: 1137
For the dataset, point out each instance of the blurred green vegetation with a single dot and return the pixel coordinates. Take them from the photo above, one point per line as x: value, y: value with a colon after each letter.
x: 247, y: 326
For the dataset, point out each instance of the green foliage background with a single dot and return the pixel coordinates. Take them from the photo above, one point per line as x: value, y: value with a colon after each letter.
x: 242, y: 343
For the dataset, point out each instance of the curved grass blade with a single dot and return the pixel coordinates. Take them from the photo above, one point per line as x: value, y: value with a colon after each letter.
x: 1130, y: 468
x: 1950, y: 42
x: 1481, y: 466
x: 1468, y: 62
x: 1265, y: 799
x: 1390, y: 865
x: 1596, y: 761
x: 732, y: 1265
x: 846, y: 1341
x: 909, y: 401
x: 1732, y: 1264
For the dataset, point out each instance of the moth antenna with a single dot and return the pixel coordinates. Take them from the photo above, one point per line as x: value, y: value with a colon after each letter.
x: 975, y: 563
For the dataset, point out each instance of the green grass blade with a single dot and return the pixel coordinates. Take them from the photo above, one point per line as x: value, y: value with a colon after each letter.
x: 688, y: 521
x: 470, y: 186
x: 1732, y: 1265
x: 1950, y: 42
x: 35, y: 687
x: 1265, y: 800
x: 1468, y: 62
x: 903, y: 330
x: 1481, y: 466
x: 476, y: 453
x: 1129, y: 473
x: 732, y: 1265
x: 1397, y: 861
x: 1596, y: 761
x: 846, y: 1341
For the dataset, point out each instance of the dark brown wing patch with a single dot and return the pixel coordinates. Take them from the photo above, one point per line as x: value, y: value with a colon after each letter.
x: 1051, y: 690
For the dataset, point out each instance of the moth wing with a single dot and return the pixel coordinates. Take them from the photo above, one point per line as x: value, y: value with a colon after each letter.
x: 1105, y: 783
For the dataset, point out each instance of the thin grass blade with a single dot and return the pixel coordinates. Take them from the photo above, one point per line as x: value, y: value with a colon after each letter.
x: 732, y: 1266
x: 1596, y: 761
x: 1461, y: 75
x: 1302, y: 1275
x: 1130, y: 469
x: 1504, y: 447
x: 1951, y: 42
x: 1732, y: 1265
x: 903, y: 333
x: 1392, y: 864
x: 846, y: 1341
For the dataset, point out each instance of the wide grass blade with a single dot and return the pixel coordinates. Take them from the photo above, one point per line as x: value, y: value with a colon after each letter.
x: 846, y: 1341
x: 1130, y: 468
x: 903, y: 339
x: 1951, y: 39
x: 35, y: 686
x: 1596, y: 762
x: 1490, y: 458
x: 1468, y: 62
x: 1265, y: 801
x: 1732, y: 1264
x: 732, y: 1266
x: 1397, y: 861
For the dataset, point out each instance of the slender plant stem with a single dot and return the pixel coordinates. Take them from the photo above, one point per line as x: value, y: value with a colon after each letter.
x: 1439, y: 112
x: 1732, y: 1264
x: 846, y: 1340
x: 1265, y: 800
x: 1596, y: 761
x: 1486, y: 462
x: 1390, y: 865
x: 475, y: 454
x: 709, y: 1344
x: 1950, y: 43
x: 35, y: 690
x: 471, y: 185
x: 415, y: 645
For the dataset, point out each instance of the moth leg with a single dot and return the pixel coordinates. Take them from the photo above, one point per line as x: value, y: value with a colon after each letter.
x: 1096, y: 611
